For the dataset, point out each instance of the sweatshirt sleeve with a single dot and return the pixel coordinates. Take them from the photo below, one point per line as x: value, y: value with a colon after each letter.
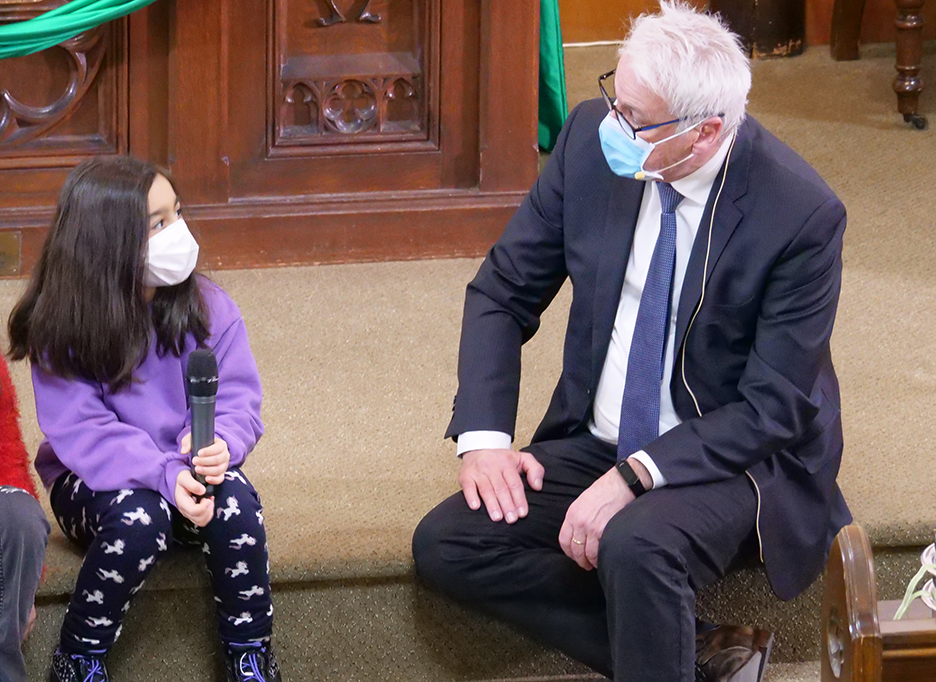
x: 240, y: 395
x: 237, y: 410
x: 88, y: 438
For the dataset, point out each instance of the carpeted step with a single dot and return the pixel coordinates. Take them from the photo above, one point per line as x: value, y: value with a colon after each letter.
x: 793, y: 672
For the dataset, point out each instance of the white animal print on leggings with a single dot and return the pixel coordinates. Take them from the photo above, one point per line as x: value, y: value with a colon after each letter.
x: 244, y: 618
x: 96, y: 597
x: 110, y: 575
x: 239, y: 569
x: 244, y: 539
x: 98, y: 622
x: 234, y: 476
x: 116, y: 548
x: 232, y: 509
x: 121, y: 496
x: 138, y: 514
x: 255, y: 591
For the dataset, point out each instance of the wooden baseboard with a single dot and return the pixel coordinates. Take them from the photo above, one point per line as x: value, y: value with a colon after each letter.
x: 310, y: 231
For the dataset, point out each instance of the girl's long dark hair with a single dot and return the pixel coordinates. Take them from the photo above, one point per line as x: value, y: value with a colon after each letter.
x: 84, y: 313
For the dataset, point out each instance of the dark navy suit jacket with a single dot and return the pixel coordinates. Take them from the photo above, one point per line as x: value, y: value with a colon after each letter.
x: 756, y: 354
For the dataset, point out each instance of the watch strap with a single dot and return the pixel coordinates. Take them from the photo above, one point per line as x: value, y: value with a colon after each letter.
x: 630, y: 477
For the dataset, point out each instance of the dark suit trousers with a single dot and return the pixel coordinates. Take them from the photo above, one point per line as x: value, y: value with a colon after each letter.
x: 633, y: 618
x: 24, y: 533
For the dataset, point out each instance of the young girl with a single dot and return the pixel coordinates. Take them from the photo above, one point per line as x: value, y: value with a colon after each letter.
x: 109, y: 318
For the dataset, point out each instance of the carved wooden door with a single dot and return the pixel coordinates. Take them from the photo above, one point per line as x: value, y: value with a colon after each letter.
x: 56, y: 107
x: 298, y: 131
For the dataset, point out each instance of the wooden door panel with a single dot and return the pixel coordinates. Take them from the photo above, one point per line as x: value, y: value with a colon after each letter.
x: 342, y: 81
x: 67, y: 100
x: 368, y: 117
x: 57, y: 107
x: 297, y: 131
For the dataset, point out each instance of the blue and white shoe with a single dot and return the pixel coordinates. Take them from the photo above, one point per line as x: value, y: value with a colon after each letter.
x: 254, y: 662
x: 77, y: 668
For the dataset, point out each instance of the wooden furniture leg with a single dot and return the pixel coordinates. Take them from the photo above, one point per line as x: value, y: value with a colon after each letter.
x: 861, y: 641
x: 851, y: 635
x: 846, y: 29
x: 908, y: 85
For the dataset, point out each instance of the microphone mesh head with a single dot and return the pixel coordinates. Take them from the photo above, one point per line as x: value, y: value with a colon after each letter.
x: 201, y: 374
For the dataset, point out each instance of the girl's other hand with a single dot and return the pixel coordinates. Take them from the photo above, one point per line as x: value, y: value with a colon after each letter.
x: 212, y: 461
x: 187, y: 488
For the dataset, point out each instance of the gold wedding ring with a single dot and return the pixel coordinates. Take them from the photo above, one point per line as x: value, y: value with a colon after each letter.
x: 578, y: 542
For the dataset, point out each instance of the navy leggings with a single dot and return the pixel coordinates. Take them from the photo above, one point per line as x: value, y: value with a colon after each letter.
x: 125, y: 532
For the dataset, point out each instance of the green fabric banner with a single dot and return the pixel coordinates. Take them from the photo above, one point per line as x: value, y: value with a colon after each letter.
x: 61, y: 24
x: 553, y: 105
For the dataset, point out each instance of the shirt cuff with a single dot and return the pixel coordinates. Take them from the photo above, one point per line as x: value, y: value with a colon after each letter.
x: 658, y: 479
x: 482, y: 440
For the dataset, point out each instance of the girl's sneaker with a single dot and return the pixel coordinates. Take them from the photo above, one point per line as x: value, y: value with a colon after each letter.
x: 76, y: 668
x: 254, y: 662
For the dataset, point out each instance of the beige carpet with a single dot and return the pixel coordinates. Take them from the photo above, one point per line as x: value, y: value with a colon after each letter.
x: 358, y: 361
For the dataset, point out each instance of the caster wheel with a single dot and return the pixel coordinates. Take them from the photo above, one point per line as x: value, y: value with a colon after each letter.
x: 917, y: 121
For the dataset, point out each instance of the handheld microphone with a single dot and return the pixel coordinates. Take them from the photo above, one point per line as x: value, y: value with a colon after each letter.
x: 201, y: 384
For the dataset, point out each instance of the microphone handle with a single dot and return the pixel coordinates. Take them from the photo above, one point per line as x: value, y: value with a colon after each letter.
x: 203, y: 433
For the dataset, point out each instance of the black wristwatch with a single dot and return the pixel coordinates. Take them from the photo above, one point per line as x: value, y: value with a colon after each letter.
x: 630, y: 477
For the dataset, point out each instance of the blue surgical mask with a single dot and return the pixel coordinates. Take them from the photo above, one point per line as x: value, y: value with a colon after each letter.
x: 626, y: 155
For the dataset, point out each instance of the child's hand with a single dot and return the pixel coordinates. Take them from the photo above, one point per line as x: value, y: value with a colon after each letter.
x: 212, y: 461
x: 198, y: 512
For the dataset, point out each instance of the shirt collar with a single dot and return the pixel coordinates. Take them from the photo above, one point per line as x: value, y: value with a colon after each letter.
x: 698, y: 184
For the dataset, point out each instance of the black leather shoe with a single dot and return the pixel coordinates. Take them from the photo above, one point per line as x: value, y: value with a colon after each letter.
x: 732, y: 653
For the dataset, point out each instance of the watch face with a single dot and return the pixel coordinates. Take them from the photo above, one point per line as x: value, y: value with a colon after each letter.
x: 627, y: 472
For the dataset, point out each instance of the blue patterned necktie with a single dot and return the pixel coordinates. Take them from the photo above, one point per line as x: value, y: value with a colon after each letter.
x: 640, y: 408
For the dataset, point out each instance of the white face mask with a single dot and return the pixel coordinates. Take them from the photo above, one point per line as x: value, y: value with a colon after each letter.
x: 172, y: 255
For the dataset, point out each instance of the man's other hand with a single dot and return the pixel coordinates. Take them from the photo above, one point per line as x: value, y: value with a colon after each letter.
x: 587, y: 517
x: 493, y: 476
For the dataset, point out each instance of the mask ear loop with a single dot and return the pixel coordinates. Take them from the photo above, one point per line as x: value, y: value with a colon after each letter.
x: 655, y: 175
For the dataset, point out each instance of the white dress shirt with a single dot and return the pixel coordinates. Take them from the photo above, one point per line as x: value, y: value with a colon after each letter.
x: 606, y: 415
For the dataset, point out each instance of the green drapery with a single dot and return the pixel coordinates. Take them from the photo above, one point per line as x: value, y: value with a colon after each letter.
x: 553, y: 106
x: 61, y: 24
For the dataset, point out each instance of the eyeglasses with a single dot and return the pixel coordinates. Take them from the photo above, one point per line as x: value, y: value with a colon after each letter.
x: 631, y: 130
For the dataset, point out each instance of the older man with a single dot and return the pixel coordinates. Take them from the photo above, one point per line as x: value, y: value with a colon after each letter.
x: 696, y: 421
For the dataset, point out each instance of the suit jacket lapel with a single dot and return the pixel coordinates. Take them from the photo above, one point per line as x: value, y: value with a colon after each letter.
x: 615, y: 244
x: 727, y: 217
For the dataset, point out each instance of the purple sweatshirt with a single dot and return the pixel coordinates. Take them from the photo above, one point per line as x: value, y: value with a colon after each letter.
x: 131, y: 439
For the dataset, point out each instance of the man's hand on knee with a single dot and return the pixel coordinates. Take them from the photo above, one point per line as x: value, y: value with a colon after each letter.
x: 493, y: 477
x: 587, y: 517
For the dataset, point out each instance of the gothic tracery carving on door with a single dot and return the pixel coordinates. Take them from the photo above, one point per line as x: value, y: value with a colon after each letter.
x: 336, y: 16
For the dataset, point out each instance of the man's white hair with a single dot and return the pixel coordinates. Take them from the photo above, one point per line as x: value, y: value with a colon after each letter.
x: 692, y: 61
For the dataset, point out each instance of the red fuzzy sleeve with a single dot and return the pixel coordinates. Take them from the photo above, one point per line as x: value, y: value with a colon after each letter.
x: 14, y: 462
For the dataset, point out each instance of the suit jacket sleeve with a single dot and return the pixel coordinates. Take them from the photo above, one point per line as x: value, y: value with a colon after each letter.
x: 521, y: 275
x: 781, y: 386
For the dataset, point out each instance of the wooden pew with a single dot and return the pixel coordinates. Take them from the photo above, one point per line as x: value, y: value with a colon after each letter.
x: 861, y: 641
